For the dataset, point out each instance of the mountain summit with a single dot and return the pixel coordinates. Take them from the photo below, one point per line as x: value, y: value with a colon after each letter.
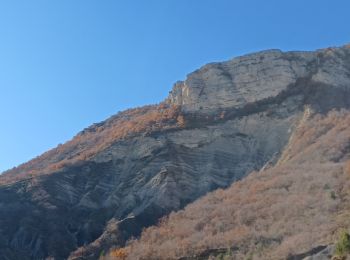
x: 117, y: 177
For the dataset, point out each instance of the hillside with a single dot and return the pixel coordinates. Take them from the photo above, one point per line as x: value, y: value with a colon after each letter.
x: 226, y: 120
x: 298, y: 205
x: 97, y: 138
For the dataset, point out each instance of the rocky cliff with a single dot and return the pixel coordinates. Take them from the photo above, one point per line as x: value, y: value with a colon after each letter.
x: 113, y: 179
x: 258, y: 76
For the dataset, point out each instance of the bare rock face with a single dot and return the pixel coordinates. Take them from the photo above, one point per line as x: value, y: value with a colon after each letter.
x: 238, y: 117
x: 256, y: 77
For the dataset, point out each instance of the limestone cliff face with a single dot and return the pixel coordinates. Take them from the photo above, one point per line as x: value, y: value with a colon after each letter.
x: 258, y: 76
x: 239, y: 115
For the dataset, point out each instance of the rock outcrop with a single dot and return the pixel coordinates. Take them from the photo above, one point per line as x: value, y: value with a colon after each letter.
x: 237, y: 117
x: 258, y: 76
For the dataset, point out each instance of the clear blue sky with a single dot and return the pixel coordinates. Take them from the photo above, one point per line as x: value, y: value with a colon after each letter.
x: 65, y: 64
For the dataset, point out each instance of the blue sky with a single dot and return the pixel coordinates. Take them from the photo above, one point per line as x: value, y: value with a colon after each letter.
x: 66, y: 64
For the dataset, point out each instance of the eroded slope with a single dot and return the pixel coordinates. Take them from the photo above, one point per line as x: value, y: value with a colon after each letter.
x: 286, y: 210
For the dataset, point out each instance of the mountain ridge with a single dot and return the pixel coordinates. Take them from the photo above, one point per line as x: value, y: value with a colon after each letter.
x: 123, y: 174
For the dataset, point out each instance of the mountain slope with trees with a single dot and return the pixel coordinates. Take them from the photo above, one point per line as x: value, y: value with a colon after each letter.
x: 300, y: 204
x: 226, y: 120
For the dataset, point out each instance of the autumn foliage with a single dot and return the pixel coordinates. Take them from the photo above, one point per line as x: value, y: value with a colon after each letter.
x: 119, y: 254
x: 89, y: 142
x: 288, y: 209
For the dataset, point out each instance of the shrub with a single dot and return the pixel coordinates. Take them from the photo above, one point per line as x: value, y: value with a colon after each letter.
x: 342, y: 247
x: 333, y: 196
x: 119, y: 254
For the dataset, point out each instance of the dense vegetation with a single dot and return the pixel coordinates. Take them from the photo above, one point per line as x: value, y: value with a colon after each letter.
x: 297, y: 205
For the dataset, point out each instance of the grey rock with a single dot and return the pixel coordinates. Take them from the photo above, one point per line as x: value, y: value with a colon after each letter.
x: 258, y: 76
